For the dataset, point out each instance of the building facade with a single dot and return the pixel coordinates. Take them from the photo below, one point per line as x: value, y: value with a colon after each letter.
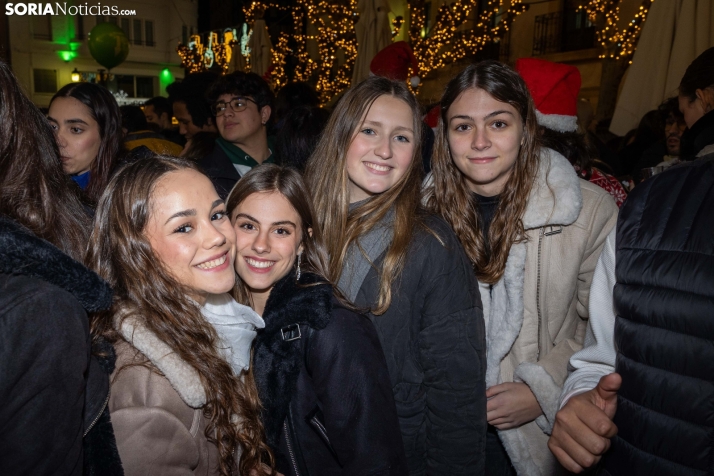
x: 47, y: 52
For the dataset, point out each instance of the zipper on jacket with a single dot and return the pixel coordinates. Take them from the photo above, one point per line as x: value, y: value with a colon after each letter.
x: 554, y: 230
x: 99, y: 415
x: 540, y: 247
x: 290, y: 447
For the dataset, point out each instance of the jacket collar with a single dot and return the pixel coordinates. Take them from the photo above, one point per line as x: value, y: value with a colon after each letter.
x: 309, y: 302
x: 277, y: 362
x: 556, y: 198
x: 698, y: 137
x: 182, y: 376
x: 23, y: 253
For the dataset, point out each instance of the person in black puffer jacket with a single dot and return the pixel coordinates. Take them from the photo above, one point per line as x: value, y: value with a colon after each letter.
x: 53, y: 391
x: 654, y: 416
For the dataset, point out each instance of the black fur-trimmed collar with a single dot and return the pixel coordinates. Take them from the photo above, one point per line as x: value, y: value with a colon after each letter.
x: 23, y: 253
x: 276, y: 362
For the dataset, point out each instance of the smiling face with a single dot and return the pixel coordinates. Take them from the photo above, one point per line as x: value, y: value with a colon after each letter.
x: 77, y: 134
x: 269, y: 236
x: 189, y: 231
x: 381, y: 149
x: 241, y: 127
x: 484, y: 137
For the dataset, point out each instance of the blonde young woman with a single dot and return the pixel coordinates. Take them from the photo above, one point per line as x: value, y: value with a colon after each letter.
x: 182, y: 400
x: 533, y: 231
x: 408, y: 270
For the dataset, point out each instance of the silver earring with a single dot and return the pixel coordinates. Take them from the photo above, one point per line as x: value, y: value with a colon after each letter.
x: 298, y: 267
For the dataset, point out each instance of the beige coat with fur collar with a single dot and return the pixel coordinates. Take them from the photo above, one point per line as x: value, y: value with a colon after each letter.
x: 158, y: 420
x: 537, y: 313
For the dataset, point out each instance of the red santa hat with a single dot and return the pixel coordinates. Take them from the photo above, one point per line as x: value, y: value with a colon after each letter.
x: 555, y: 88
x: 394, y: 61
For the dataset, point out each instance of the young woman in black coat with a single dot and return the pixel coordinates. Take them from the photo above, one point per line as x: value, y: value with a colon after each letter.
x: 408, y: 269
x: 53, y: 414
x: 320, y: 371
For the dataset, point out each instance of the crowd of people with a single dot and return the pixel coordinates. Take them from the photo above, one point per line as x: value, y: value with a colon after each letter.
x: 273, y: 288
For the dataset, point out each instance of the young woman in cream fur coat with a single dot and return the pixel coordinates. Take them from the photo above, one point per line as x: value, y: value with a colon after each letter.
x: 533, y: 231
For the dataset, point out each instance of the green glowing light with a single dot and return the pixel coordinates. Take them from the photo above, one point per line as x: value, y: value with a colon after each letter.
x: 67, y: 55
x: 165, y: 78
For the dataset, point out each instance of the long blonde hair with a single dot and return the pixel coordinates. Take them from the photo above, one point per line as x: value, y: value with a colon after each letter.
x: 327, y: 179
x: 448, y: 194
x: 143, y: 289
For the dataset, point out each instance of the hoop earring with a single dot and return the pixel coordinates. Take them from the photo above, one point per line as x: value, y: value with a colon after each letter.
x: 298, y: 267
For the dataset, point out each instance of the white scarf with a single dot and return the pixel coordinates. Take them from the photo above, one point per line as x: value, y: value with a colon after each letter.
x: 235, y: 325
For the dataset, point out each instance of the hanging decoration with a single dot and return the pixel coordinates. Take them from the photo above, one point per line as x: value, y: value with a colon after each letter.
x: 218, y: 50
x: 450, y: 38
x: 615, y: 42
x: 108, y: 45
x: 334, y: 35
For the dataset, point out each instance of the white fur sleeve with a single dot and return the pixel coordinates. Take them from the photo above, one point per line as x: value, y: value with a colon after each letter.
x: 597, y: 358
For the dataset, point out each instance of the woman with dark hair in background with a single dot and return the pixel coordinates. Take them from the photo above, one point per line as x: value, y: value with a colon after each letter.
x: 533, y: 231
x: 408, y: 269
x: 87, y: 125
x: 52, y: 392
x: 299, y: 133
x: 321, y: 374
x: 696, y: 102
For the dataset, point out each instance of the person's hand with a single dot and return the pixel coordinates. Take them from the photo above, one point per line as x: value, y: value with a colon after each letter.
x: 583, y: 427
x: 510, y: 405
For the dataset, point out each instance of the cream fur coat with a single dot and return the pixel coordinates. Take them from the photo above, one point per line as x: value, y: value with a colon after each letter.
x: 537, y: 313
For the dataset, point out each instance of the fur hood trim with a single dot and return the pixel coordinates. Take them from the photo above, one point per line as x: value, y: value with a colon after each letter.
x: 277, y: 362
x: 183, y: 378
x: 556, y: 198
x: 23, y: 253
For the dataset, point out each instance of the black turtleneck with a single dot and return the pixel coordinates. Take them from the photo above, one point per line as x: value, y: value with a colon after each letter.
x: 486, y: 207
x: 699, y: 136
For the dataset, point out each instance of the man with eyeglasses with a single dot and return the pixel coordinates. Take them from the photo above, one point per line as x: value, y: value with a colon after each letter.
x: 241, y: 106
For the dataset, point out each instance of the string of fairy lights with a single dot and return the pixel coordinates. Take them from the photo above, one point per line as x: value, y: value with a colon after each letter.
x: 617, y: 43
x: 448, y: 41
x: 459, y: 30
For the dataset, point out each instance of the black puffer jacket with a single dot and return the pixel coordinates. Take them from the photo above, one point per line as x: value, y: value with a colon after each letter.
x: 433, y: 336
x: 323, y: 382
x: 52, y: 392
x: 664, y: 328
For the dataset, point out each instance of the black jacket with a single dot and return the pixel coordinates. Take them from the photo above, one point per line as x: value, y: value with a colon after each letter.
x: 434, y: 339
x: 52, y: 393
x: 219, y: 168
x: 664, y: 327
x: 699, y: 136
x: 323, y: 382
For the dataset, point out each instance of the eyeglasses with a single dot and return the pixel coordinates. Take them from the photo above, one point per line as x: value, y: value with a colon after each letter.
x: 236, y: 104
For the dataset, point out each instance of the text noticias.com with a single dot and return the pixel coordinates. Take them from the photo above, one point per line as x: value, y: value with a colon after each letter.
x: 64, y: 9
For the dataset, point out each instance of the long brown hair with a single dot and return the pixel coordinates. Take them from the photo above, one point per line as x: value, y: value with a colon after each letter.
x: 34, y: 190
x: 448, y: 193
x: 326, y: 176
x: 121, y: 254
x: 287, y: 182
x: 105, y: 111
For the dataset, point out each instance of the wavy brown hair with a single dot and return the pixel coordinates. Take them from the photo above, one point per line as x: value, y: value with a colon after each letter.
x: 448, y: 193
x: 34, y: 190
x: 119, y: 252
x: 326, y: 176
x: 286, y: 181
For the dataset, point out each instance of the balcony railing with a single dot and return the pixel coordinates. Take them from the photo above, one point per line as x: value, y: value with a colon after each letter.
x: 562, y: 31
